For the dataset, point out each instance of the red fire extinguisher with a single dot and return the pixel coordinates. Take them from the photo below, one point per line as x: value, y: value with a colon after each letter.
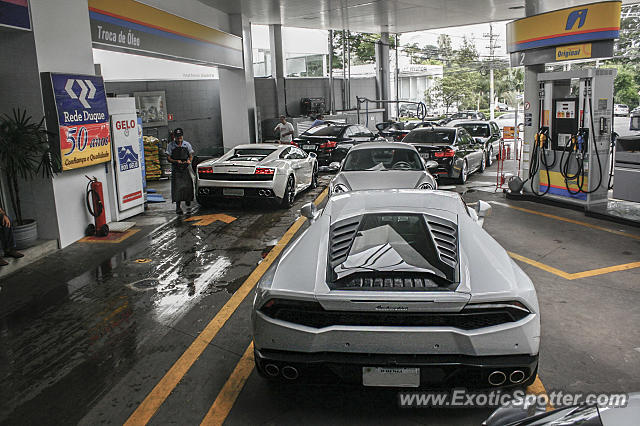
x: 96, y: 208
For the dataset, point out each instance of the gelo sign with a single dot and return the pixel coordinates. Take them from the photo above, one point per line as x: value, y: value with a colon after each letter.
x: 83, y: 120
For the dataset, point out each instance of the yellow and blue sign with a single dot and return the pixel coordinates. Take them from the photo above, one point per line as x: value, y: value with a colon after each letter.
x: 558, y: 185
x: 574, y: 51
x: 589, y: 22
x: 134, y: 27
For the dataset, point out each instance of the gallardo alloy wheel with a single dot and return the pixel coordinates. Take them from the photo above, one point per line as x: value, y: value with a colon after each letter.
x: 289, y: 193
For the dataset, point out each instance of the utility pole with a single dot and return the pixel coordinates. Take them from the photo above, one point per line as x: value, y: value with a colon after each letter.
x: 492, y: 49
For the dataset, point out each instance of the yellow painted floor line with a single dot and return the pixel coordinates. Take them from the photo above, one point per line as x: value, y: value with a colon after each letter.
x: 170, y: 380
x: 576, y: 275
x: 221, y: 407
x: 566, y: 219
x: 537, y: 388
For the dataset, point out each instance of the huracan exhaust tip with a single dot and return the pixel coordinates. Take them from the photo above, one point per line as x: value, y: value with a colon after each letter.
x: 289, y: 372
x: 517, y: 376
x: 272, y: 370
x: 497, y: 378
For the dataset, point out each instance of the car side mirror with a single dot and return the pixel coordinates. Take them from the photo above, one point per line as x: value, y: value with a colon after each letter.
x: 335, y: 166
x: 483, y: 208
x: 310, y: 211
x: 431, y: 165
x: 313, y: 155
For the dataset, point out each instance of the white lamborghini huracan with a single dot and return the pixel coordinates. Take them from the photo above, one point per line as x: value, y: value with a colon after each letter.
x: 399, y: 288
x: 262, y: 171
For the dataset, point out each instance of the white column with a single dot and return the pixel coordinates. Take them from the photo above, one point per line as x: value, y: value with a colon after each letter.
x: 239, y: 114
x: 63, y: 44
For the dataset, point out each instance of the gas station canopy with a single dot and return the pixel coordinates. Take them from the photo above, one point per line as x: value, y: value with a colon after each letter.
x: 394, y: 16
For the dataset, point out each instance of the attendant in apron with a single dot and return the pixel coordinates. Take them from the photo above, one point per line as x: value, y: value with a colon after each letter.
x: 180, y: 154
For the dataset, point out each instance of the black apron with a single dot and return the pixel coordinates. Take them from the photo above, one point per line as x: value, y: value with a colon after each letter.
x: 181, y: 182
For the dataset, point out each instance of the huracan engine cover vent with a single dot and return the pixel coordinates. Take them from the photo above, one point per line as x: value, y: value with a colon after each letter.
x: 341, y: 236
x: 391, y: 251
x: 445, y: 235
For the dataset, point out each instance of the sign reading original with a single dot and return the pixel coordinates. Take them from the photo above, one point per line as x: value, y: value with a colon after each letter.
x: 83, y: 120
x: 576, y: 51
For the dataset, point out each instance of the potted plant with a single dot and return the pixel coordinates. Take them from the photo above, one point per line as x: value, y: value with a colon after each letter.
x: 25, y: 153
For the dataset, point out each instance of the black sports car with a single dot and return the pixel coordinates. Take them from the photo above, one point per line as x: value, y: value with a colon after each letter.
x: 456, y: 152
x: 331, y: 141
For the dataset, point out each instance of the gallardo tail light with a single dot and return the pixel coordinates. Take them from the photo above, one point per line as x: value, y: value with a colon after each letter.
x: 446, y: 153
x: 205, y: 170
x: 329, y: 144
x: 264, y: 171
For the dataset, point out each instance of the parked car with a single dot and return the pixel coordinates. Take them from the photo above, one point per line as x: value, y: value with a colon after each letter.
x: 501, y: 106
x: 464, y: 115
x: 397, y: 130
x: 620, y: 110
x: 457, y: 153
x: 634, y: 122
x: 485, y: 132
x: 398, y: 288
x: 508, y: 119
x: 260, y: 171
x: 383, y: 166
x: 331, y: 141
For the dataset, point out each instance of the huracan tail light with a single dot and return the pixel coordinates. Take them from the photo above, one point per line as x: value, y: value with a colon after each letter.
x: 445, y: 153
x: 205, y: 170
x: 329, y: 144
x: 264, y: 171
x: 515, y: 309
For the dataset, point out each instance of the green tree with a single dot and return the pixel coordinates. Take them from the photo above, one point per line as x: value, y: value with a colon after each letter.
x: 451, y: 89
x: 363, y: 47
x: 625, y: 87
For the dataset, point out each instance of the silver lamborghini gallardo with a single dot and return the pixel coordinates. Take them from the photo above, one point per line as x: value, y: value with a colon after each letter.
x: 398, y: 288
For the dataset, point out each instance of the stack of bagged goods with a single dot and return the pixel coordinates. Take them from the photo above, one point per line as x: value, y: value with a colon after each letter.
x: 152, y: 158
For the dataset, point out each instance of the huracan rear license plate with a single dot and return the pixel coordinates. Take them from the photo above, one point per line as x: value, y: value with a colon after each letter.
x: 309, y: 147
x: 391, y: 376
x: 233, y: 192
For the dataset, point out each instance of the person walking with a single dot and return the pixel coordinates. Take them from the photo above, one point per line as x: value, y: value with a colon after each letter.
x: 7, y: 240
x: 285, y: 130
x: 180, y: 154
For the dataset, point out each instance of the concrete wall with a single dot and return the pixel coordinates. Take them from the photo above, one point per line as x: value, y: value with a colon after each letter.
x: 195, y: 105
x: 298, y: 88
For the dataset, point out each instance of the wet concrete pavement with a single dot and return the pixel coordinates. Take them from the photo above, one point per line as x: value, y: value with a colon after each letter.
x: 86, y: 334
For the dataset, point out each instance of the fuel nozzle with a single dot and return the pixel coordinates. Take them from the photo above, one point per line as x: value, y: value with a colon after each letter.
x: 542, y: 137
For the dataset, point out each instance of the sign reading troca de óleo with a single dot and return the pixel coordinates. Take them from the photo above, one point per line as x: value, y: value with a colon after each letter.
x: 83, y: 120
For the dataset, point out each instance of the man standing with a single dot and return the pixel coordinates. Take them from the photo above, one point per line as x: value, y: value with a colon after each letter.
x: 180, y: 154
x: 8, y: 242
x: 285, y: 129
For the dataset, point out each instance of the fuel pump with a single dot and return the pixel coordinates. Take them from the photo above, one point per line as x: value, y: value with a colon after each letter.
x: 567, y: 154
x: 539, y: 152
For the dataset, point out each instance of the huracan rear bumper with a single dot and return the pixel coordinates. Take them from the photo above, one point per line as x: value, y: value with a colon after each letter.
x: 436, y: 371
x: 512, y: 338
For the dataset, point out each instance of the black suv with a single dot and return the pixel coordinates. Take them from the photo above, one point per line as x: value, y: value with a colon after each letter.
x: 331, y: 141
x: 464, y: 115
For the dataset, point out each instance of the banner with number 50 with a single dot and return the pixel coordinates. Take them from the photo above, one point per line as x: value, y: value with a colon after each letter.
x: 84, y: 145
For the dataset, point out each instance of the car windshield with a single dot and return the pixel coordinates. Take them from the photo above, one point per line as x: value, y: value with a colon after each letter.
x: 430, y: 136
x: 324, y: 131
x: 251, y: 154
x: 478, y: 129
x: 391, y: 242
x: 382, y: 159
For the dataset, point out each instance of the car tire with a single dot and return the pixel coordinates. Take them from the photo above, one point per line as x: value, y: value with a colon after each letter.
x: 289, y: 194
x: 464, y: 173
x: 490, y: 157
x: 483, y: 164
x: 314, y: 178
